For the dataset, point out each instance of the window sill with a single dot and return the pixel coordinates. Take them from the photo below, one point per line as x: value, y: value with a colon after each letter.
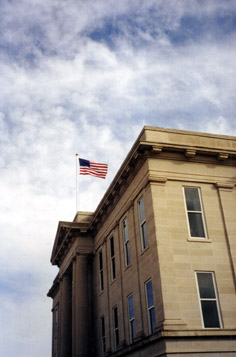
x: 101, y: 292
x: 113, y: 281
x: 202, y: 240
x: 127, y: 267
x: 144, y: 250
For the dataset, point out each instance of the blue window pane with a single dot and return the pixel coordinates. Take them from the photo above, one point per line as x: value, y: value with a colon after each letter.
x: 131, y: 307
x: 152, y: 320
x: 150, y: 300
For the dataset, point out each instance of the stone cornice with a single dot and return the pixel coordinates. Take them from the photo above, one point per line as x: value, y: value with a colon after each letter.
x: 65, y: 236
x: 143, y: 149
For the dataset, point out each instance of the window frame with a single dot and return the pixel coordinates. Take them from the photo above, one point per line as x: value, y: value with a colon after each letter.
x: 112, y: 258
x: 216, y: 299
x: 126, y: 242
x: 151, y: 327
x: 197, y: 212
x: 143, y: 223
x: 131, y: 319
x: 101, y: 275
x: 116, y: 327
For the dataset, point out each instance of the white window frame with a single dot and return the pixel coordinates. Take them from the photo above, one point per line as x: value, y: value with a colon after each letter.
x: 116, y: 328
x: 101, y: 275
x: 131, y: 320
x: 126, y: 242
x: 103, y: 335
x: 149, y: 309
x: 143, y: 223
x: 113, y: 261
x: 216, y: 299
x: 190, y: 211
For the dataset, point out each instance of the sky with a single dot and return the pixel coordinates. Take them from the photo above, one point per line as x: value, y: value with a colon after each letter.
x: 85, y: 77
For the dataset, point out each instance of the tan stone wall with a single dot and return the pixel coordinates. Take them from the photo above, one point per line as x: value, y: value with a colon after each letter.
x: 180, y: 256
x: 129, y: 279
x: 172, y: 257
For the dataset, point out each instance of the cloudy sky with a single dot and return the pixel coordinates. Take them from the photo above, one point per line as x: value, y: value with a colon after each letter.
x: 81, y: 76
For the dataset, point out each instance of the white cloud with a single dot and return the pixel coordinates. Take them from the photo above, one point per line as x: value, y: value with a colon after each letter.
x: 76, y: 95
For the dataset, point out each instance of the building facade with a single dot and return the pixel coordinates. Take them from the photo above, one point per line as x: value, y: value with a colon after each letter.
x: 152, y: 271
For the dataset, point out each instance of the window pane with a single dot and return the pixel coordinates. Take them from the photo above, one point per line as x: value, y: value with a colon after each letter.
x: 113, y: 268
x: 206, y: 286
x: 210, y: 314
x: 196, y: 225
x: 127, y: 254
x: 101, y: 281
x: 141, y: 210
x: 144, y: 234
x: 103, y: 326
x: 112, y: 246
x: 125, y: 230
x: 131, y: 307
x: 100, y: 260
x: 132, y: 330
x: 152, y: 319
x: 115, y: 317
x: 117, y: 337
x: 150, y: 301
x: 192, y: 199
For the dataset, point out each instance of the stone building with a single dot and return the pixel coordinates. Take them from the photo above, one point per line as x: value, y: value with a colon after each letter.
x: 152, y: 271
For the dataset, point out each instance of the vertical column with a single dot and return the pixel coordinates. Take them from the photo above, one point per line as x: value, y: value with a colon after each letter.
x: 66, y: 316
x: 227, y: 200
x: 82, y: 306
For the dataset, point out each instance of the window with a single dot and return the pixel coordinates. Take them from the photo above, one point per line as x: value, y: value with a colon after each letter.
x: 126, y: 242
x: 55, y: 331
x: 131, y: 318
x: 150, y: 307
x: 142, y: 221
x: 208, y: 300
x: 101, y: 271
x: 103, y: 335
x: 116, y: 327
x: 112, y: 254
x: 194, y: 212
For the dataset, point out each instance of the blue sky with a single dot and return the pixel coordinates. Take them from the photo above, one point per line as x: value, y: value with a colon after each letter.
x: 85, y: 77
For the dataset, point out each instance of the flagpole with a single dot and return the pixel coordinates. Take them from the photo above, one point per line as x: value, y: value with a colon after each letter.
x: 77, y: 181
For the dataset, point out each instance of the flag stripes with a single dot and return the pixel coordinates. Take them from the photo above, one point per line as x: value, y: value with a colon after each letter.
x: 93, y: 168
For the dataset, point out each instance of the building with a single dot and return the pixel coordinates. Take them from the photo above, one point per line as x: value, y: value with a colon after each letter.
x: 152, y: 271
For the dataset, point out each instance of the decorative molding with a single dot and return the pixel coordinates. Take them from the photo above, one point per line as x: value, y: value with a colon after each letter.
x: 190, y: 153
x: 161, y: 180
x: 225, y: 186
x: 223, y: 156
x: 156, y: 149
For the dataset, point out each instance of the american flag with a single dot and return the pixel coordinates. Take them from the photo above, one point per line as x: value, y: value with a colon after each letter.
x: 92, y: 168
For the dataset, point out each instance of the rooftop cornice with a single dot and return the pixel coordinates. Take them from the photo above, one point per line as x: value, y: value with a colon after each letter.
x: 144, y: 148
x: 65, y: 237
